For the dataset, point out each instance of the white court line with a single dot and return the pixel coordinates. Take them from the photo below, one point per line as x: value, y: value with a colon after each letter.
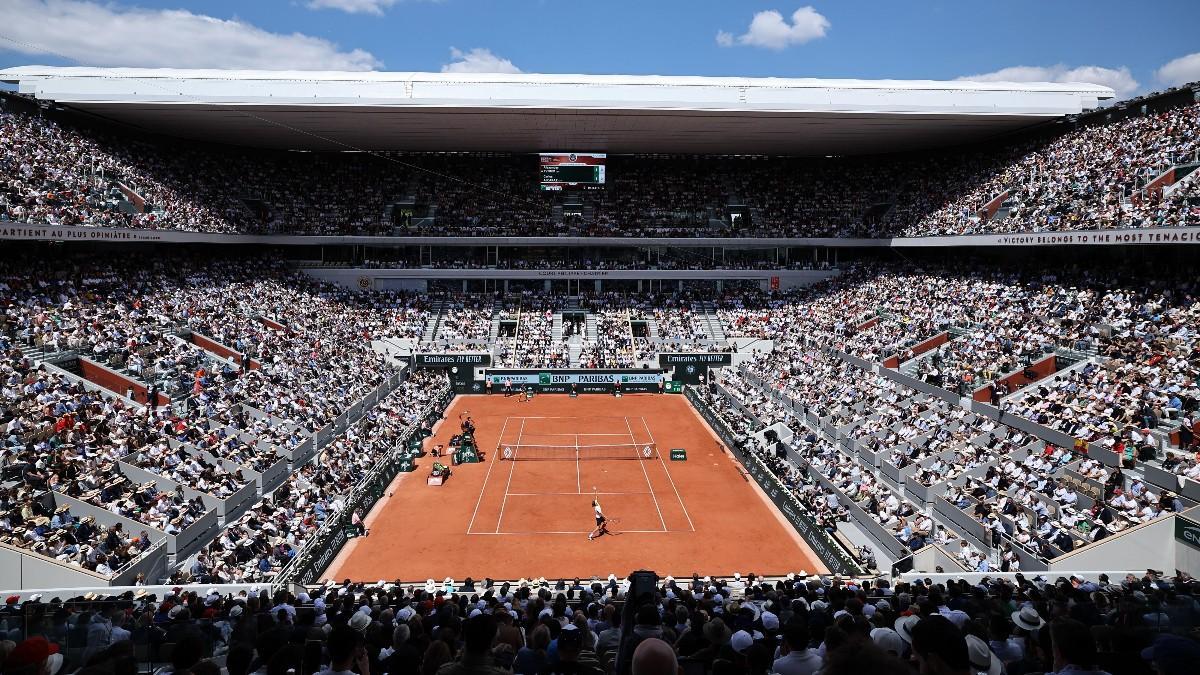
x: 495, y: 458
x: 571, y: 494
x: 508, y: 485
x: 565, y: 434
x: 527, y: 533
x: 645, y: 473
x: 578, y: 471
x: 669, y: 478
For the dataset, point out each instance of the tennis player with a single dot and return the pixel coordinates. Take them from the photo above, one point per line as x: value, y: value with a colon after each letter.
x: 601, y: 521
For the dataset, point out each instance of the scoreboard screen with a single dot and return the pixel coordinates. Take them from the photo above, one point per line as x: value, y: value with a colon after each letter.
x: 561, y: 170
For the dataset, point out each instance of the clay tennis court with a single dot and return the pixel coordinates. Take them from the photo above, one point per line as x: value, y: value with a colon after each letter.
x: 508, y: 519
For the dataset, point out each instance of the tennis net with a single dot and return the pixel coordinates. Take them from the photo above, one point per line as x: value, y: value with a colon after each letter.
x: 517, y: 451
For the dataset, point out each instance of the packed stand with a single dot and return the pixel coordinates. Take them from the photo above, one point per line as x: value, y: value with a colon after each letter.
x: 1091, y: 175
x: 263, y: 540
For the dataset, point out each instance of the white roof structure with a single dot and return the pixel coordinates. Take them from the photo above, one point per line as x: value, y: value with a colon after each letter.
x: 530, y: 113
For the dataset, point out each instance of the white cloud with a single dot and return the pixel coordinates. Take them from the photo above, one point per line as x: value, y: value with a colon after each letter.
x: 1119, y: 79
x: 353, y: 6
x: 1180, y: 71
x: 478, y: 60
x: 768, y: 29
x: 109, y: 34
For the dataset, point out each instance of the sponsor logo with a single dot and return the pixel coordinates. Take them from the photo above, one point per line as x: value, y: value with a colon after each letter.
x: 696, y: 358
x: 451, y: 358
x: 1189, y: 533
x: 592, y: 379
x: 328, y: 551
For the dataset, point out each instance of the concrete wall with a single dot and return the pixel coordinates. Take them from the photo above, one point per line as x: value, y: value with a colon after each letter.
x: 211, y: 345
x: 417, y: 279
x: 111, y: 380
x: 1142, y: 547
x: 21, y: 569
x: 919, y: 349
x: 1042, y: 368
x: 932, y: 557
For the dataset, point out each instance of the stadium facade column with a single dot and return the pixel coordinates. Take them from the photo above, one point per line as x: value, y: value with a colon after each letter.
x: 546, y: 285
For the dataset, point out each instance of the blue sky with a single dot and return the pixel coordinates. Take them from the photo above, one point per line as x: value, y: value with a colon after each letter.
x: 1108, y: 42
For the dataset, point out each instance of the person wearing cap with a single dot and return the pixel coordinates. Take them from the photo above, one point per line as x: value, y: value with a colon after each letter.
x: 741, y: 641
x: 904, y: 627
x: 889, y: 641
x: 983, y: 661
x: 1173, y: 655
x: 573, y: 656
x: 36, y: 656
x: 795, y: 656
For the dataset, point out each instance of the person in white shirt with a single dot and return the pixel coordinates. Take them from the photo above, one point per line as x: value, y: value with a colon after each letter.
x: 793, y: 656
x: 601, y: 521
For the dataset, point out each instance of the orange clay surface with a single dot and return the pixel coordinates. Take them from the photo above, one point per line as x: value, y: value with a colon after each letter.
x: 512, y: 519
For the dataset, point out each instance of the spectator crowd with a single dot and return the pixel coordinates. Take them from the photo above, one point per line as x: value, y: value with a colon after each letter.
x: 796, y: 624
x: 1093, y: 173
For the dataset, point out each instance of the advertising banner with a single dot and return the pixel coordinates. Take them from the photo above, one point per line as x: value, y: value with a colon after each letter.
x: 831, y: 553
x: 1187, y: 531
x: 707, y: 359
x: 450, y: 360
x: 578, y: 381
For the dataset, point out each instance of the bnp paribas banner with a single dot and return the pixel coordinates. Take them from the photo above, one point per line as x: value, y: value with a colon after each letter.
x: 575, y: 381
x: 555, y: 377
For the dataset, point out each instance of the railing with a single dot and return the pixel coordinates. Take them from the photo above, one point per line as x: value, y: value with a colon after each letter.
x: 325, y: 434
x: 828, y: 549
x: 324, y: 546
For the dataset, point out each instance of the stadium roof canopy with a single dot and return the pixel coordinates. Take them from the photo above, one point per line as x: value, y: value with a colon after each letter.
x: 530, y: 113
